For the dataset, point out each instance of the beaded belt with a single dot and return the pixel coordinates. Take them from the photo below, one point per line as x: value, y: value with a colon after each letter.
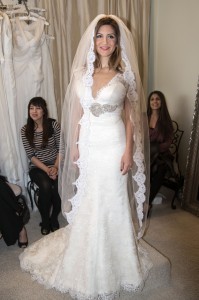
x: 98, y: 109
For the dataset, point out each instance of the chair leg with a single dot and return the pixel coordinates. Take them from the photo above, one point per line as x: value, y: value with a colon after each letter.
x: 173, y: 206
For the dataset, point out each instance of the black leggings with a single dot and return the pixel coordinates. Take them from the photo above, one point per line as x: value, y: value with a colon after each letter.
x: 156, y: 181
x: 48, y: 197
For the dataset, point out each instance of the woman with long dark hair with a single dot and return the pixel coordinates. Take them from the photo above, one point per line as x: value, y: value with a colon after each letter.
x: 41, y: 137
x: 161, y: 134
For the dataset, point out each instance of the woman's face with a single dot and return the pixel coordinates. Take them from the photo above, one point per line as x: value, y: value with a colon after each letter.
x: 106, y: 41
x: 36, y: 113
x: 155, y: 102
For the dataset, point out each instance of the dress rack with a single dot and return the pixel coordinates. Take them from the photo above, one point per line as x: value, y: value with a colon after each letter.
x: 26, y: 6
x: 20, y: 1
x: 2, y: 6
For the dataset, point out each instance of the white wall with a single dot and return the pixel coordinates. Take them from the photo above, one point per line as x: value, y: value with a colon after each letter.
x: 174, y: 60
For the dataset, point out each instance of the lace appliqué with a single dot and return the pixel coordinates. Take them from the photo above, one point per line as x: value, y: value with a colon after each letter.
x: 44, y: 275
x: 97, y: 109
x: 138, y: 157
x: 80, y: 183
x: 88, y: 78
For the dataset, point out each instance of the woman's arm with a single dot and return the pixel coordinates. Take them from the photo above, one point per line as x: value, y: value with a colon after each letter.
x: 56, y: 164
x: 75, y: 151
x: 127, y: 160
x: 37, y: 163
x: 53, y: 171
x: 29, y: 150
x: 162, y: 143
x: 164, y: 146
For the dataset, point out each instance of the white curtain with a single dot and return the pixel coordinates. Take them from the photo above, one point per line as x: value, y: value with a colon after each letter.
x: 68, y: 20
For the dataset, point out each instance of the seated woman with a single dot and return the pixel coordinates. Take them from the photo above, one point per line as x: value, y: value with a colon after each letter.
x: 41, y: 137
x: 161, y: 134
x: 11, y: 221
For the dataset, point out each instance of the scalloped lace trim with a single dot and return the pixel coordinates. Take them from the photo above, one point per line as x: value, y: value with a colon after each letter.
x: 49, y: 265
x: 138, y: 156
x: 124, y: 286
x: 82, y: 163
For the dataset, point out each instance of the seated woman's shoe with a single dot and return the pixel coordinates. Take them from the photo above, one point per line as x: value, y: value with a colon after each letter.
x: 45, y: 231
x: 23, y: 239
x: 22, y: 244
x: 54, y: 225
x: 53, y: 228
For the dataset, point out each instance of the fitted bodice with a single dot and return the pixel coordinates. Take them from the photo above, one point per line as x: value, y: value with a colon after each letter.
x: 102, y: 122
x: 108, y: 101
x: 110, y: 98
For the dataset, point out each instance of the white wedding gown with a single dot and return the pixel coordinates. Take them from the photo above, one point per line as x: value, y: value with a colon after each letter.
x: 98, y: 254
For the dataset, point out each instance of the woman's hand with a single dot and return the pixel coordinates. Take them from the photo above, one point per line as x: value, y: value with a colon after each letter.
x: 53, y: 172
x: 126, y: 162
x: 127, y: 159
x: 75, y: 154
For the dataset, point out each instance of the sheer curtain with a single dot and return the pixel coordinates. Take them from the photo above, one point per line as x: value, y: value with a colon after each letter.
x: 68, y: 20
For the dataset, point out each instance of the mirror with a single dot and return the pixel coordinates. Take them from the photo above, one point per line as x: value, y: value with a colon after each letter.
x: 190, y: 200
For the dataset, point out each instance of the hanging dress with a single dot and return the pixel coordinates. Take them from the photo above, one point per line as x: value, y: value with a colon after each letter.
x: 27, y: 58
x: 47, y: 86
x: 10, y: 165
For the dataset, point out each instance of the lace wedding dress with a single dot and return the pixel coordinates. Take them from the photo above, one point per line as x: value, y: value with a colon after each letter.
x: 98, y: 254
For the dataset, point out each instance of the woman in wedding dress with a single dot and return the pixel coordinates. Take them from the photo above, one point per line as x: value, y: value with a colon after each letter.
x: 103, y: 173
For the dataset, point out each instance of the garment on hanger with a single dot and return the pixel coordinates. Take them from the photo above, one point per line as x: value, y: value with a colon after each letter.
x: 11, y: 165
x: 47, y: 86
x: 29, y: 54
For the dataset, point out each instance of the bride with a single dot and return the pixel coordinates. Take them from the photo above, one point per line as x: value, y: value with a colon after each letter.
x: 103, y: 173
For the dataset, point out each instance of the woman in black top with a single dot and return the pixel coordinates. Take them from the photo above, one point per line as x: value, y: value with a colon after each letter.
x: 41, y: 137
x: 11, y: 221
x: 161, y: 135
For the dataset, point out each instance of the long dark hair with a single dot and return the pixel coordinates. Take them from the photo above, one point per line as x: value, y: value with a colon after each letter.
x: 30, y: 126
x: 164, y: 123
x: 115, y: 59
